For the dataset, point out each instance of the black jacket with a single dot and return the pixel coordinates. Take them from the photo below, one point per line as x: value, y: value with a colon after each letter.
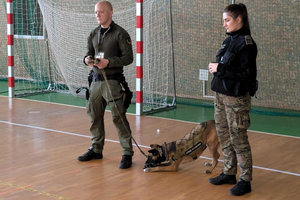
x: 116, y: 45
x: 236, y: 72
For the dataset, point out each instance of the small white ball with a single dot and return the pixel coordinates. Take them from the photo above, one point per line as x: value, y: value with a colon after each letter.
x: 158, y: 130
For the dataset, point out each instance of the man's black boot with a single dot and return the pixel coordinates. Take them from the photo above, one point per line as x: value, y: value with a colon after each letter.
x: 223, y: 179
x: 241, y: 188
x: 125, y: 162
x: 90, y: 155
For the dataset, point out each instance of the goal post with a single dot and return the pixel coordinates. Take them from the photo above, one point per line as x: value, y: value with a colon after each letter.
x: 50, y: 42
x: 10, y: 48
x: 139, y: 58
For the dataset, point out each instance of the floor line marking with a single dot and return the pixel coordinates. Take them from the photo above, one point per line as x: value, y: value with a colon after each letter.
x: 114, y: 141
x: 32, y: 190
x: 12, y: 190
x: 257, y: 167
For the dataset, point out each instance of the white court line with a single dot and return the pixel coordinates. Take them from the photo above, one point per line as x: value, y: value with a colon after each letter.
x: 58, y: 131
x: 114, y: 141
x: 263, y: 168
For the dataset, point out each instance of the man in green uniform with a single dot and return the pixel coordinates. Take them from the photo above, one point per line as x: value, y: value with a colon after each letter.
x: 112, y: 47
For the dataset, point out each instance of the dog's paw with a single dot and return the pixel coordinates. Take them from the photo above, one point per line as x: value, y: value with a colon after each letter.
x: 147, y: 170
x: 207, y: 172
x: 208, y: 164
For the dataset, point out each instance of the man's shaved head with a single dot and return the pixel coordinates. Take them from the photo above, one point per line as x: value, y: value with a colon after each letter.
x: 106, y: 3
x: 103, y: 13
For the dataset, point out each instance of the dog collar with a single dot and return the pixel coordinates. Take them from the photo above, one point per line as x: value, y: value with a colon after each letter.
x: 160, y: 151
x: 164, y: 146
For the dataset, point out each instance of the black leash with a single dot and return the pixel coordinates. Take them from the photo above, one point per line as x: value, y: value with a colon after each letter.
x: 108, y: 86
x: 138, y: 147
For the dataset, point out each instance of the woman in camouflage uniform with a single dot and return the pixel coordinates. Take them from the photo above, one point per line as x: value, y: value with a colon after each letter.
x: 234, y: 75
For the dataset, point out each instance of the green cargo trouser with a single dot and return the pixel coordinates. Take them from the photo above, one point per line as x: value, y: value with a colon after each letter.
x: 232, y: 121
x: 100, y: 96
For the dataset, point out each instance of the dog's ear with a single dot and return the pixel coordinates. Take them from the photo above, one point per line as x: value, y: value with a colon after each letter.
x: 154, y: 146
x: 153, y: 151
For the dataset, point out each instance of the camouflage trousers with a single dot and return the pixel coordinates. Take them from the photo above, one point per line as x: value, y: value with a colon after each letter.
x: 232, y: 121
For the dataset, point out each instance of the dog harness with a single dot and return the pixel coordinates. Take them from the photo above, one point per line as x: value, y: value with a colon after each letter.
x: 191, y: 144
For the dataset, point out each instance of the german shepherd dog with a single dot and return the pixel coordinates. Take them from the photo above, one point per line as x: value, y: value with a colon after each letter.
x: 168, y: 156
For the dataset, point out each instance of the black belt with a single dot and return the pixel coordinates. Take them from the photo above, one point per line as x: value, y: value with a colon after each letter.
x: 100, y: 77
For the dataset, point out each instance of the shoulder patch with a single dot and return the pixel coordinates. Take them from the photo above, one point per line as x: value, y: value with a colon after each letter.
x: 128, y: 40
x: 248, y: 40
x: 223, y: 46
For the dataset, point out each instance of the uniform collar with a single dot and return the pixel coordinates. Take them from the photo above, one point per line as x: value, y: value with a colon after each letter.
x: 241, y: 31
x: 109, y: 27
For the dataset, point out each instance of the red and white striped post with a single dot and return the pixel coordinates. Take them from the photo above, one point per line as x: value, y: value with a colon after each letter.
x: 10, y: 48
x: 139, y: 57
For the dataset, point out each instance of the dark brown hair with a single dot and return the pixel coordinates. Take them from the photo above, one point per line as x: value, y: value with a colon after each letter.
x: 236, y: 10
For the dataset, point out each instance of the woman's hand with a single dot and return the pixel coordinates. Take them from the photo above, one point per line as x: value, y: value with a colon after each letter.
x: 212, y: 67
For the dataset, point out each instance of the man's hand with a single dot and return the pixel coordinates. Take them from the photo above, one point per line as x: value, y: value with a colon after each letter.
x: 89, y: 61
x: 103, y: 63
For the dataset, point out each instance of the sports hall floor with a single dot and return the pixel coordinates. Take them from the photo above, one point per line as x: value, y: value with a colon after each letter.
x: 42, y: 135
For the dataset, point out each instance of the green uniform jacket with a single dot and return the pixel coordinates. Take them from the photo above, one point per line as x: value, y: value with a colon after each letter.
x: 116, y: 45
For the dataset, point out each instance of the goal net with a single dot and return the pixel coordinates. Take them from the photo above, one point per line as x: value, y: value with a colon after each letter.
x: 50, y: 43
